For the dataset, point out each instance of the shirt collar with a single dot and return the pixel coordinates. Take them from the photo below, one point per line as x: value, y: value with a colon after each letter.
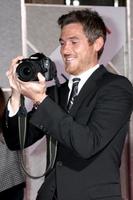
x: 83, y: 77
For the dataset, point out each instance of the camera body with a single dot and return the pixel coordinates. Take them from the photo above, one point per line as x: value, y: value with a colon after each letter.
x: 28, y: 68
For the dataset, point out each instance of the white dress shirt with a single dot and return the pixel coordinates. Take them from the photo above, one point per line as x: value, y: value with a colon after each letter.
x: 83, y: 78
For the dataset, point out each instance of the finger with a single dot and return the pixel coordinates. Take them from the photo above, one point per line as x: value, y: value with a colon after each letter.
x: 41, y: 78
x: 15, y: 60
x: 14, y: 64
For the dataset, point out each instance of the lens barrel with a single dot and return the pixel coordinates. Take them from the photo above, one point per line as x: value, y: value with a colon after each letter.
x: 26, y: 71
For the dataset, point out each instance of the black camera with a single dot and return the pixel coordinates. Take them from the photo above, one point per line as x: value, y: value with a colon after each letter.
x: 29, y: 67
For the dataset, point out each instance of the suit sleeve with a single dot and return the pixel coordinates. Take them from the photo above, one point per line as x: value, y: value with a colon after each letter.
x: 11, y: 132
x: 110, y: 114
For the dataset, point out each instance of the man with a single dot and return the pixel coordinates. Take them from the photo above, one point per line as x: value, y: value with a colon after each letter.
x: 91, y: 129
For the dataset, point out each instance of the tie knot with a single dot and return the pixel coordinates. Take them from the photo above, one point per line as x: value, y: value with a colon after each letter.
x: 76, y: 81
x: 75, y: 86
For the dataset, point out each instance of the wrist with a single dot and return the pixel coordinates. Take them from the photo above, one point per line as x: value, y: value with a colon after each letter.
x: 38, y: 101
x: 15, y: 99
x: 14, y: 104
x: 36, y: 104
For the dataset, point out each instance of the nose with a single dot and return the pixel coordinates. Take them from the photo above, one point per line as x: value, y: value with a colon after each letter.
x: 66, y: 49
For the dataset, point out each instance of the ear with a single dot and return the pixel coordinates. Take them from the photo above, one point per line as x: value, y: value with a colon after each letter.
x: 99, y: 42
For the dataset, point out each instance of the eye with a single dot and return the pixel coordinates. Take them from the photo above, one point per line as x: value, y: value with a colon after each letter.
x: 74, y: 42
x: 61, y: 43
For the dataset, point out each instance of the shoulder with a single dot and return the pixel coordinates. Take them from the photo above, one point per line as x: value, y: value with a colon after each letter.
x: 116, y: 79
x: 111, y: 84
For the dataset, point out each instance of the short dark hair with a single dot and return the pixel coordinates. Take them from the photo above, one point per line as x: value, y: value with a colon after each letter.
x: 93, y: 24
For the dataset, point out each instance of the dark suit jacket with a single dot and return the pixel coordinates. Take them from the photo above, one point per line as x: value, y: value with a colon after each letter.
x: 90, y: 138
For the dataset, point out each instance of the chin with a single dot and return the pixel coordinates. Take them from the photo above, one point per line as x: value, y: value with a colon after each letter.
x: 70, y: 69
x: 67, y: 69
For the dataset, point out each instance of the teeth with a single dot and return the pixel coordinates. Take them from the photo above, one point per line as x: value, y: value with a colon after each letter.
x: 69, y: 59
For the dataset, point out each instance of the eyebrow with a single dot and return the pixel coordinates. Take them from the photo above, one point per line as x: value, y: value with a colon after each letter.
x: 71, y: 38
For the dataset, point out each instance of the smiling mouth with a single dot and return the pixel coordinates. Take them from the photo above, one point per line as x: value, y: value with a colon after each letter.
x: 69, y: 60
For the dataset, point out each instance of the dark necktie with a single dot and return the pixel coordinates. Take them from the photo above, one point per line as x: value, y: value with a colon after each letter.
x: 74, y: 93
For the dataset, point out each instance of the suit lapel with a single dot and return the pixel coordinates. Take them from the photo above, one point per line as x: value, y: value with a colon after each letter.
x: 89, y: 89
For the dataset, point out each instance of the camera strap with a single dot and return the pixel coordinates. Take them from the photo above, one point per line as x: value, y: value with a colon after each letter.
x: 22, y: 122
x: 51, y: 142
x: 22, y: 125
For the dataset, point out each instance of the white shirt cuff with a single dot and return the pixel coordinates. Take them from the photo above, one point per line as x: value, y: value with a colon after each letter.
x: 11, y: 111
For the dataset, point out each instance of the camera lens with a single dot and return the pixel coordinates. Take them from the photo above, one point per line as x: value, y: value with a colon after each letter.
x: 26, y: 72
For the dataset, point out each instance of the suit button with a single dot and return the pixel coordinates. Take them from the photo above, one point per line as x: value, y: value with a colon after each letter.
x: 52, y: 188
x: 59, y: 163
x: 41, y: 127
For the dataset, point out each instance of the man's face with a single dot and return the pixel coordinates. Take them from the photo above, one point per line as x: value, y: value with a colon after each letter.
x: 77, y: 53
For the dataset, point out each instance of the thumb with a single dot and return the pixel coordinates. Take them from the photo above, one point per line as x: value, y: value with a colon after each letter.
x: 41, y: 78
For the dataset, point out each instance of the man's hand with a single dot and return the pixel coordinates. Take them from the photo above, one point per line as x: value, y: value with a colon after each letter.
x: 35, y: 90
